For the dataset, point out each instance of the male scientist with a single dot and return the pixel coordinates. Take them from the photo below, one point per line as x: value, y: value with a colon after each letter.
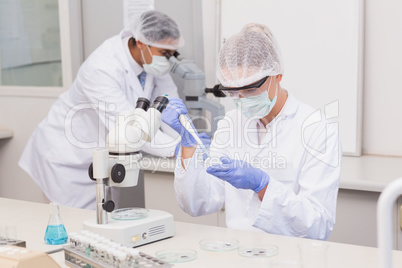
x: 122, y: 69
x: 272, y: 166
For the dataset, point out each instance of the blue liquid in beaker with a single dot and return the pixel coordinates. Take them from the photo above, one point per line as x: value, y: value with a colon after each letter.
x: 56, y: 235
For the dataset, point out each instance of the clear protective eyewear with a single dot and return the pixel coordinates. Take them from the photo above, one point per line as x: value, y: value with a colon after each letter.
x: 253, y: 89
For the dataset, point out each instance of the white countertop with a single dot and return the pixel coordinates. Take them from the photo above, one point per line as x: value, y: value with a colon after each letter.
x: 369, y: 173
x: 31, y: 220
x: 364, y: 173
x: 6, y: 133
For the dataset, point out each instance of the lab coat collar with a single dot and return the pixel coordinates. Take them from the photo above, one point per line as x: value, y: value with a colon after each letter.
x: 288, y: 110
x: 125, y: 36
x: 290, y: 107
x: 132, y: 68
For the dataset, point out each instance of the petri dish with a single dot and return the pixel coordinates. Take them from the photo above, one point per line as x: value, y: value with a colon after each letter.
x: 176, y: 255
x: 219, y: 244
x: 258, y: 251
x: 129, y: 213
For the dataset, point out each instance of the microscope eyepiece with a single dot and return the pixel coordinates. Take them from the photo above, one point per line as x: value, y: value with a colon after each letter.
x: 143, y: 103
x: 160, y: 103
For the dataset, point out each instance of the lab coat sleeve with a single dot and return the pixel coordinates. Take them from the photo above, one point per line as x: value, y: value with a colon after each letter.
x: 166, y: 139
x: 311, y: 211
x: 165, y: 86
x: 197, y: 192
x: 104, y: 91
x: 163, y: 145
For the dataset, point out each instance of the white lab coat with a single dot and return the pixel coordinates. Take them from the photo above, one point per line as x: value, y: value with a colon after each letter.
x: 302, y: 158
x: 59, y: 151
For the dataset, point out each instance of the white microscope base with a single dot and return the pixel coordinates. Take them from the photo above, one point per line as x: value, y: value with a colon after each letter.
x: 132, y: 233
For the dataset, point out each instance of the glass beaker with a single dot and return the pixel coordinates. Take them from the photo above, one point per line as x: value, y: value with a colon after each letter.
x: 11, y: 233
x: 56, y: 233
x: 3, y: 234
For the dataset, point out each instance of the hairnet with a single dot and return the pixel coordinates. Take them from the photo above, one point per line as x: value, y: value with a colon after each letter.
x: 156, y: 29
x: 249, y: 56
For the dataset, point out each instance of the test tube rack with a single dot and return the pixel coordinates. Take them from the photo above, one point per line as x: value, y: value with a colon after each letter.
x: 18, y: 243
x: 91, y: 250
x: 77, y: 259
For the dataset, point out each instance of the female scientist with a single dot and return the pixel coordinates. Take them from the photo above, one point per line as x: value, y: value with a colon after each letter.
x: 271, y: 166
x: 125, y: 67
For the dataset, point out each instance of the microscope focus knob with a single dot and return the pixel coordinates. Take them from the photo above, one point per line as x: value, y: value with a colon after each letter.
x: 108, y: 206
x: 118, y: 173
x: 91, y: 172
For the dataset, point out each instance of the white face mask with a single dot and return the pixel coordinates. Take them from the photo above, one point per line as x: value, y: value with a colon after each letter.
x: 258, y: 106
x: 159, y: 66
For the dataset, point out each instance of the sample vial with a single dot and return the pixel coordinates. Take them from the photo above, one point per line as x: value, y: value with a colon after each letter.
x: 56, y: 233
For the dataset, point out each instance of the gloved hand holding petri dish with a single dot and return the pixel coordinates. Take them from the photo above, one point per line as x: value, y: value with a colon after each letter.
x: 214, y: 157
x: 240, y: 174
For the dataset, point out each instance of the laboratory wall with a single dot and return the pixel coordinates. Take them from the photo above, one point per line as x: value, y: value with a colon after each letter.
x: 21, y: 115
x: 382, y: 122
x: 382, y: 74
x: 382, y: 111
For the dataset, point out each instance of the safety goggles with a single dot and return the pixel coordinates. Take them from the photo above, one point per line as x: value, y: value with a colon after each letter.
x: 253, y: 89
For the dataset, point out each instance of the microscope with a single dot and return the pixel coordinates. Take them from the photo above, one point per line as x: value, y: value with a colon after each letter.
x: 119, y: 166
x: 190, y: 81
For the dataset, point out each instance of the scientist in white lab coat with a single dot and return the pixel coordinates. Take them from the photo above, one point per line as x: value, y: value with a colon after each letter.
x: 273, y: 166
x: 125, y: 67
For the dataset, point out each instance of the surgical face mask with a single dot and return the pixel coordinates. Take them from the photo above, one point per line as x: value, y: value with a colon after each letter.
x: 258, y: 106
x: 159, y: 66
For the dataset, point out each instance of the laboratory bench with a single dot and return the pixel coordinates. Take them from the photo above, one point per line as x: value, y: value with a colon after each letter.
x: 369, y: 173
x: 6, y: 133
x: 364, y: 173
x: 362, y: 180
x: 31, y: 220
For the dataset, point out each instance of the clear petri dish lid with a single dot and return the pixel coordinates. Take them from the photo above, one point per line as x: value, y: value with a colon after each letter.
x: 219, y: 244
x: 176, y: 255
x: 129, y: 213
x: 258, y: 251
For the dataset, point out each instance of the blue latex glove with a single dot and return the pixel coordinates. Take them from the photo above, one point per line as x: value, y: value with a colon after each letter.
x: 206, y: 140
x: 171, y: 115
x: 240, y: 174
